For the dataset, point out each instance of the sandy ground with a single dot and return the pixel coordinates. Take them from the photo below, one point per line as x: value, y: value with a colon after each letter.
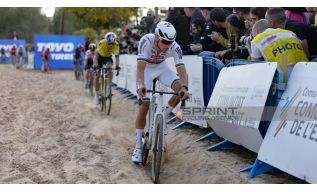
x: 50, y: 132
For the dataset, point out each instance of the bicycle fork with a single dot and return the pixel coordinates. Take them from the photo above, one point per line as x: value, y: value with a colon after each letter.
x: 152, y: 122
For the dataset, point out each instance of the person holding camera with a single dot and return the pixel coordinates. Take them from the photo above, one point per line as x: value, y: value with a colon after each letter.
x: 276, y: 45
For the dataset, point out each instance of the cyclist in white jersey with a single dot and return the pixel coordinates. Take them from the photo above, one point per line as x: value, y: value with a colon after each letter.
x: 152, y: 51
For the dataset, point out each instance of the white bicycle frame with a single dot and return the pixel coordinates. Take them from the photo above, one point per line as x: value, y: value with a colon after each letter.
x: 156, y: 108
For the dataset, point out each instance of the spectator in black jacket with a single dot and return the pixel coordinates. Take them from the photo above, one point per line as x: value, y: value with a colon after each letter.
x: 177, y: 18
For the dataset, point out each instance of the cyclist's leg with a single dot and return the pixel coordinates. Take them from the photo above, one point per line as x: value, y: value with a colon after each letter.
x: 100, y: 64
x: 141, y: 117
x: 96, y: 80
x: 76, y: 65
x: 109, y: 65
x: 170, y: 79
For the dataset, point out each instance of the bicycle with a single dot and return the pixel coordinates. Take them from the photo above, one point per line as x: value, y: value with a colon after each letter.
x: 46, y: 66
x: 91, y: 81
x: 106, y: 92
x: 154, y: 137
x: 79, y: 71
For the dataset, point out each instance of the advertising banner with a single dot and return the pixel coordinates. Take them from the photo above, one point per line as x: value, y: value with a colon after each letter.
x: 62, y: 48
x: 237, y: 103
x: 291, y: 140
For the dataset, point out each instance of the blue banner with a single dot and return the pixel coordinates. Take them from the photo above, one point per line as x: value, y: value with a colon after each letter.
x: 62, y: 48
x: 7, y: 45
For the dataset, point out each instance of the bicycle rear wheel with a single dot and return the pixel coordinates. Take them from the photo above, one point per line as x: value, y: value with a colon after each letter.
x: 91, y: 83
x: 157, y: 148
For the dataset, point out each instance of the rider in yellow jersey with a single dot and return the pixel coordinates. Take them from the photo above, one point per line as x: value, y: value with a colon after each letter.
x: 106, y: 48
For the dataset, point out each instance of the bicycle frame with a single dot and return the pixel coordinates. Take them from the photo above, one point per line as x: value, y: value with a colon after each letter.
x: 105, y: 80
x: 156, y: 108
x: 154, y: 139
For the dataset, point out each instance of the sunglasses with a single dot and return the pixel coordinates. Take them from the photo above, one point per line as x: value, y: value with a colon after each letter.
x: 165, y: 42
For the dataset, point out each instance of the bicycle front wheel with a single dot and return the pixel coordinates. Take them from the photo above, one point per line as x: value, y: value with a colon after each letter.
x: 157, y: 148
x: 108, y: 99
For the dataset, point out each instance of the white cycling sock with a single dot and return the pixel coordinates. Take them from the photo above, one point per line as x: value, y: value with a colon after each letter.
x: 168, y: 110
x: 138, y: 138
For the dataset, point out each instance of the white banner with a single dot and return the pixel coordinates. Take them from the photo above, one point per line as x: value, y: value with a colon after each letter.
x: 291, y: 140
x: 244, y: 88
x: 121, y: 82
x: 130, y: 73
x: 194, y: 68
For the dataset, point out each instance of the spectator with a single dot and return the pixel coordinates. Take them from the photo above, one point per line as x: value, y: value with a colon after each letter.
x: 296, y: 14
x: 231, y: 24
x: 275, y: 45
x: 243, y: 14
x: 306, y: 33
x: 3, y: 55
x: 177, y: 18
x: 197, y: 30
x: 193, y: 13
x: 20, y: 56
x: 206, y: 44
x: 87, y: 43
x: 13, y: 54
x: 257, y: 13
x: 150, y: 21
x: 15, y: 36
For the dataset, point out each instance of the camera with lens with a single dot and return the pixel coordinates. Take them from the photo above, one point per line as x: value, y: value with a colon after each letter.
x: 244, y: 40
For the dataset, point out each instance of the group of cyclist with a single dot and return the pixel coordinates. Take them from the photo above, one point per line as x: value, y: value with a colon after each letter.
x: 93, y: 59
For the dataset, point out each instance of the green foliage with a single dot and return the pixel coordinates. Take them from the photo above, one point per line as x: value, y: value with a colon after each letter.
x: 87, y: 32
x: 103, y: 17
x: 71, y: 22
x: 26, y: 21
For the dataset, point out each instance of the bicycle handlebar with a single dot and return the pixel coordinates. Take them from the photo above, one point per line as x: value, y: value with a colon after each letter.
x: 161, y: 93
x: 108, y: 68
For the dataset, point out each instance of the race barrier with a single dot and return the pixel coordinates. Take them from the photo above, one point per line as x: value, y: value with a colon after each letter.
x: 246, y: 89
x: 291, y: 139
x: 7, y: 45
x: 62, y: 48
x: 246, y: 85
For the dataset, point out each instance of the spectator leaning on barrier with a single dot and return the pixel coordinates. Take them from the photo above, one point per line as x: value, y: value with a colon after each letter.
x: 197, y: 31
x: 206, y: 43
x: 276, y: 45
x: 218, y: 18
x: 193, y: 13
x: 234, y: 29
x: 306, y: 33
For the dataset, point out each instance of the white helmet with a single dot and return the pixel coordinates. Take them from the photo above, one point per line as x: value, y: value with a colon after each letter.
x: 110, y: 37
x: 165, y: 31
